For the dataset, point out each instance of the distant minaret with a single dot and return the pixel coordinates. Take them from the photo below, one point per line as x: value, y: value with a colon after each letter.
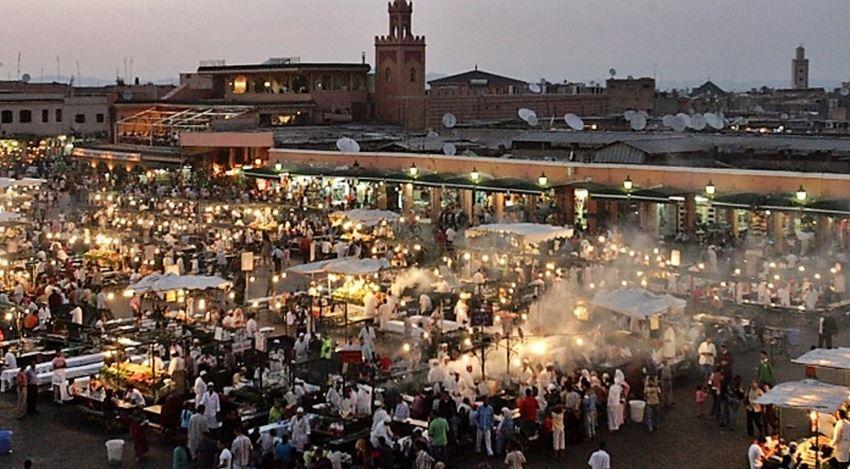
x: 800, y: 70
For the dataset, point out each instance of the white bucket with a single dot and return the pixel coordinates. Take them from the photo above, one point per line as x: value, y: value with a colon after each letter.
x: 115, y: 451
x: 636, y: 408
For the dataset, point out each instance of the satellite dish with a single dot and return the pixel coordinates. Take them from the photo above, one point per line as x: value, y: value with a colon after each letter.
x: 784, y: 116
x: 449, y: 120
x: 26, y: 78
x: 715, y: 121
x: 845, y: 91
x: 574, y: 121
x: 432, y: 135
x: 612, y: 72
x: 529, y: 116
x: 678, y: 123
x: 449, y: 149
x: 684, y: 118
x: 638, y: 122
x: 698, y: 122
x: 347, y: 145
x: 127, y: 95
x: 758, y: 108
x: 535, y: 88
x: 667, y: 120
x: 629, y: 115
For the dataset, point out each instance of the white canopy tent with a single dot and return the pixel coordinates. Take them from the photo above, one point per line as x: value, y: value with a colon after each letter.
x: 531, y: 233
x: 807, y: 394
x: 637, y: 303
x: 838, y: 358
x: 342, y: 266
x: 366, y: 217
x: 167, y: 282
x: 6, y: 183
x: 10, y: 217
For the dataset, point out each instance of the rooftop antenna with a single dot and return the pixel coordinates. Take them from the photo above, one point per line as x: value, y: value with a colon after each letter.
x: 125, y: 68
x: 79, y: 76
x: 19, y: 65
x: 130, y: 76
x: 58, y: 69
x: 363, y: 57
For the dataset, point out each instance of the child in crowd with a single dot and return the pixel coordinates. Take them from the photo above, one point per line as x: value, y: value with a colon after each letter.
x: 700, y: 396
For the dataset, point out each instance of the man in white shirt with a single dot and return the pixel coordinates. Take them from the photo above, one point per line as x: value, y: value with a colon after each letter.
x: 755, y: 454
x: 707, y: 354
x: 841, y: 439
x: 600, y: 459
x: 10, y: 361
x: 225, y: 459
x: 77, y: 316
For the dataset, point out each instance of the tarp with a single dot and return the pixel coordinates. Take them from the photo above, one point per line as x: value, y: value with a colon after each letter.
x: 367, y: 217
x: 167, y: 282
x: 532, y: 233
x: 806, y: 394
x: 838, y: 358
x: 342, y: 266
x: 637, y: 303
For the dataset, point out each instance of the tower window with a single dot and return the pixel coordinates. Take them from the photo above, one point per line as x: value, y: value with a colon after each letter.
x: 388, y: 74
x: 413, y: 75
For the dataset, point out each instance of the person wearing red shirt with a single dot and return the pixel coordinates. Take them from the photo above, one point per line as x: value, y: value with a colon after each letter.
x: 528, y: 407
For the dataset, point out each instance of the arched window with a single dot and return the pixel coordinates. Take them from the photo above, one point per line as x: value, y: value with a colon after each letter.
x: 413, y: 75
x: 387, y: 74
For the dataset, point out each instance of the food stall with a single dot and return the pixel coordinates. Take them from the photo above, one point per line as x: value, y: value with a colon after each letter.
x: 834, y: 360
x: 820, y: 400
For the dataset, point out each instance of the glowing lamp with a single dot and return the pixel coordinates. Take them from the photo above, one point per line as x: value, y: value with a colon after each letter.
x: 542, y: 179
x: 801, y: 194
x: 628, y: 184
x: 710, y: 188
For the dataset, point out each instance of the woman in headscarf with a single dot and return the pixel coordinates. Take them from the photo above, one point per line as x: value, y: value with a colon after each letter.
x: 505, y: 430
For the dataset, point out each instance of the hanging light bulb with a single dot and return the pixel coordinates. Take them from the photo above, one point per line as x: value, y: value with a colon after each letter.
x: 801, y: 194
x: 474, y: 175
x: 628, y: 184
x: 710, y: 188
x: 542, y: 179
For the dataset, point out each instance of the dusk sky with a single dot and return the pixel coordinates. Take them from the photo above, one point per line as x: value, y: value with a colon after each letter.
x: 676, y: 40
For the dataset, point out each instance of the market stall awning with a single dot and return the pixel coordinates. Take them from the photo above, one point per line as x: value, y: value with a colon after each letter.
x: 342, y: 266
x: 532, y: 233
x: 809, y: 394
x: 637, y: 303
x: 168, y: 282
x: 366, y: 217
x: 838, y: 358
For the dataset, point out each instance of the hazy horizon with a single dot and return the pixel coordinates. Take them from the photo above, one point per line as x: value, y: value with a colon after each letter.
x: 674, y: 40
